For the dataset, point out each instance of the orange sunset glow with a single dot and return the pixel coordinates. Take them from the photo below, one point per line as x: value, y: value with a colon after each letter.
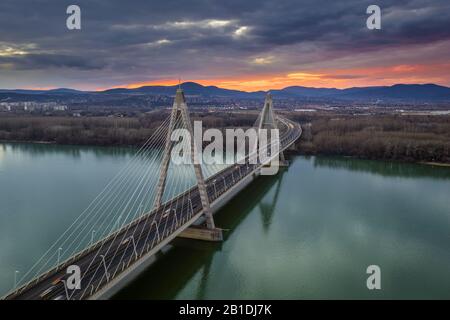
x: 337, y: 78
x: 246, y: 47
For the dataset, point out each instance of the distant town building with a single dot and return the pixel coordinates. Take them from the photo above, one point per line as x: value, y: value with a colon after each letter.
x: 4, y: 106
x: 60, y: 108
x: 31, y: 106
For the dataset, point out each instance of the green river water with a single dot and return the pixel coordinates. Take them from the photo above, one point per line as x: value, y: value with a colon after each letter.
x: 308, y: 233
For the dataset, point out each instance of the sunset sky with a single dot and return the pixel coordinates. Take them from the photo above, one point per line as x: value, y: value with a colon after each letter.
x: 247, y: 45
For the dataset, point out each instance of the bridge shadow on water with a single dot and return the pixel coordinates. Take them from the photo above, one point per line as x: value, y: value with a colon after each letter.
x: 175, y: 267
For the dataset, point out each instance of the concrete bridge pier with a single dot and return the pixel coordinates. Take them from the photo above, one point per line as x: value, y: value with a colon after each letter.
x: 267, y: 120
x: 202, y: 233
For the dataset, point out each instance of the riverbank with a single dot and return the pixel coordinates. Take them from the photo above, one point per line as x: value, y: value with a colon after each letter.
x: 309, y: 223
x: 415, y: 138
x: 420, y: 139
x: 437, y: 164
x: 104, y: 131
x: 27, y: 141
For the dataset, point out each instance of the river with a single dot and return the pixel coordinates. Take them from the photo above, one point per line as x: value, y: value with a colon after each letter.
x: 308, y: 233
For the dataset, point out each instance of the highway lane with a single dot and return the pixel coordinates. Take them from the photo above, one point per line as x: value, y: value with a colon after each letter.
x: 230, y: 179
x: 126, y: 253
x: 98, y: 268
x: 116, y: 249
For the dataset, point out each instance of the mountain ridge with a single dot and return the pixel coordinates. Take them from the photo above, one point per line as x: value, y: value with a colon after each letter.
x: 427, y: 91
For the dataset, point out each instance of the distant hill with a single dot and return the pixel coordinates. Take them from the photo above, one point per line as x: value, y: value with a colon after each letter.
x: 66, y: 91
x: 399, y: 91
x: 51, y: 91
x: 404, y: 92
x: 298, y: 91
x: 190, y: 88
x: 421, y: 92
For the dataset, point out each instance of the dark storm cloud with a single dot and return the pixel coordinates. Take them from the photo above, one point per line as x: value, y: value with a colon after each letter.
x: 140, y: 40
x: 45, y: 61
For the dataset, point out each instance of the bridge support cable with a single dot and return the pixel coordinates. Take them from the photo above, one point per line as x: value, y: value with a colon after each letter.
x: 187, y: 178
x: 143, y: 183
x: 164, y: 218
x: 104, y: 197
x: 153, y: 201
x: 182, y: 173
x: 170, y: 214
x: 117, y: 203
x: 126, y: 259
x: 179, y: 109
x: 130, y: 211
x: 139, y: 208
x: 268, y: 120
x: 146, y: 246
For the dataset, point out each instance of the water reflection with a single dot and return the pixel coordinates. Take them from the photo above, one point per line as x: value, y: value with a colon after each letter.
x: 383, y: 168
x: 74, y: 152
x: 2, y: 153
x: 189, y: 258
x: 308, y: 232
x: 46, y: 187
x: 311, y: 232
x: 267, y: 205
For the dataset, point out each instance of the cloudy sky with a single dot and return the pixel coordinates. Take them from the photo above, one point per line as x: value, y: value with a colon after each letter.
x: 240, y: 44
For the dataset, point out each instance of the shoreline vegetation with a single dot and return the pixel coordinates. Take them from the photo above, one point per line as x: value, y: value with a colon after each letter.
x: 437, y: 164
x: 411, y: 138
x: 419, y: 138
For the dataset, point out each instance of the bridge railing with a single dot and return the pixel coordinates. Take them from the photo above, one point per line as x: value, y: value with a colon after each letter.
x: 285, y: 141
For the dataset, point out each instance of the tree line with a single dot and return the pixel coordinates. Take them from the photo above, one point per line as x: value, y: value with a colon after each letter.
x: 388, y: 137
x: 106, y: 131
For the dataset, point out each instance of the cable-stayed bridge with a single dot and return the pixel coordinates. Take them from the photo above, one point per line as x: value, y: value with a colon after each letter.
x: 146, y: 205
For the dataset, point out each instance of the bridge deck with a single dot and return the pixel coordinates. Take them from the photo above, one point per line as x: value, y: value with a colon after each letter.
x: 141, y: 237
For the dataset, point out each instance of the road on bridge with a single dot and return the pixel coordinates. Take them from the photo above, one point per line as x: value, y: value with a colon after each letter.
x: 136, y: 240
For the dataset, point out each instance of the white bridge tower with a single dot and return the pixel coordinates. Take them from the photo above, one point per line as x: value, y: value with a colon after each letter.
x: 179, y: 110
x: 267, y: 120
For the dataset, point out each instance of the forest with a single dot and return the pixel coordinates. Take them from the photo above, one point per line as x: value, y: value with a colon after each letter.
x: 104, y: 131
x: 412, y: 138
x: 415, y: 138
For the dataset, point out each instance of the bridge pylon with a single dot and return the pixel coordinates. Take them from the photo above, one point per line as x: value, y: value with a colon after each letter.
x: 268, y: 120
x: 180, y: 110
